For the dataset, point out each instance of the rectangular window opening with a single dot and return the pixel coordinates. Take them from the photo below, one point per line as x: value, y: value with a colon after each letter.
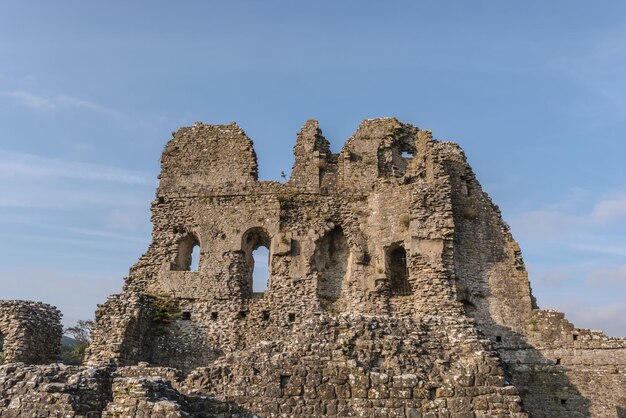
x: 213, y: 316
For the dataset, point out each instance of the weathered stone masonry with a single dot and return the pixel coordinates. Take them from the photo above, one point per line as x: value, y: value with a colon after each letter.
x: 395, y: 290
x: 30, y: 332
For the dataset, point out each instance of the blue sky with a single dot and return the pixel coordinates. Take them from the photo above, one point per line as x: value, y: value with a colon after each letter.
x: 89, y: 92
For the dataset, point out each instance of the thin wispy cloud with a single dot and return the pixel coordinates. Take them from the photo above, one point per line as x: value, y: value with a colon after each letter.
x: 93, y: 233
x: 38, y: 102
x: 609, y: 210
x: 553, y: 277
x: 615, y: 275
x: 14, y: 165
x: 610, y: 318
x: 30, y: 100
x: 561, y: 219
x: 607, y: 248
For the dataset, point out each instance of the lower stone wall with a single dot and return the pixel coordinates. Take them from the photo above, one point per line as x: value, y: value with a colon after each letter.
x: 31, y: 331
x: 563, y: 371
x: 349, y: 365
x: 353, y: 365
x: 53, y: 391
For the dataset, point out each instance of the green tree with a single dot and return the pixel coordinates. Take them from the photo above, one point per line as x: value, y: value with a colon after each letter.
x: 81, y: 333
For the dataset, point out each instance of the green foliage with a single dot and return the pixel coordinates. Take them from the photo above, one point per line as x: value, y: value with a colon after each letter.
x: 81, y: 332
x: 462, y: 292
x: 75, y: 353
x: 329, y: 306
x: 469, y: 213
x: 165, y: 309
x: 2, y: 357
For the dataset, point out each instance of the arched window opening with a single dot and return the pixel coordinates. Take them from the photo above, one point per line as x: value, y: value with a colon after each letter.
x: 398, y: 272
x: 261, y: 270
x: 331, y: 260
x: 195, y: 258
x: 406, y: 154
x: 188, y: 257
x: 255, y: 245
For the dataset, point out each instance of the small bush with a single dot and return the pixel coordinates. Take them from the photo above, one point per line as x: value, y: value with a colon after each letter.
x: 469, y: 213
x: 2, y: 357
x: 405, y: 220
x: 165, y: 309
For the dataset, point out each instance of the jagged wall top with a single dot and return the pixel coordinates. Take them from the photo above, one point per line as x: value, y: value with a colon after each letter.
x: 202, y: 156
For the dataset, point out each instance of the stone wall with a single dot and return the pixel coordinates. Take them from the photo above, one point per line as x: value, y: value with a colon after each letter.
x: 301, y: 224
x: 30, y: 332
x: 396, y: 289
x: 561, y: 371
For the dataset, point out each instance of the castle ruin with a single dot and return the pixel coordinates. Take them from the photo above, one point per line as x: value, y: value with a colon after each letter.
x: 395, y: 290
x: 30, y: 332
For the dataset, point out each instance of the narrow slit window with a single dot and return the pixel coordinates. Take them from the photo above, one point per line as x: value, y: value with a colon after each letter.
x: 398, y: 272
x: 261, y: 270
x: 195, y: 258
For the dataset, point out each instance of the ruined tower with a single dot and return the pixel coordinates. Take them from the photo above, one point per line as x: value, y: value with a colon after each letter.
x: 395, y: 289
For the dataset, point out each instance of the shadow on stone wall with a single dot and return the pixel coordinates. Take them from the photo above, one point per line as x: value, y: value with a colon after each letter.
x: 543, y: 385
x: 205, y: 407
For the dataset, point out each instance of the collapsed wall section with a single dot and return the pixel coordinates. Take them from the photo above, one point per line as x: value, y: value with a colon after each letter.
x: 30, y: 332
x: 560, y: 370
